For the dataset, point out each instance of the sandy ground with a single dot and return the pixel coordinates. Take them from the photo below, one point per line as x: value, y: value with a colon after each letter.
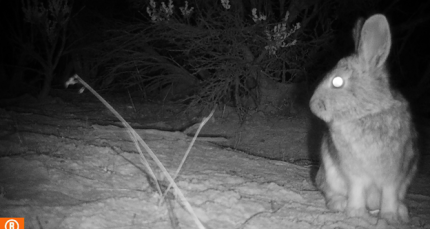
x: 72, y: 165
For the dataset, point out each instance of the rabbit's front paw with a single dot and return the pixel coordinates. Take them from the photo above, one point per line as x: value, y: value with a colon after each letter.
x: 360, y: 213
x: 396, y: 217
x: 356, y: 212
x: 337, y: 203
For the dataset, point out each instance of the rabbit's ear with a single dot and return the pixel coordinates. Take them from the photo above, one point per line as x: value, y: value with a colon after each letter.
x: 356, y: 32
x: 375, y: 41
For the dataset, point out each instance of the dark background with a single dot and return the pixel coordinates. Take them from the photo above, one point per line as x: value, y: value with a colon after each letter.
x: 90, y: 21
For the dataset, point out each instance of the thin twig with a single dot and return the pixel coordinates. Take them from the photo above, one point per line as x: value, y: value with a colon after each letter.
x: 135, y: 137
x: 205, y: 120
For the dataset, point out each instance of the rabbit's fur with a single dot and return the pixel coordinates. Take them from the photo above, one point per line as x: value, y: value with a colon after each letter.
x: 369, y: 149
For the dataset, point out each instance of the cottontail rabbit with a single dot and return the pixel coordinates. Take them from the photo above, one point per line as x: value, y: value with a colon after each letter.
x: 369, y: 151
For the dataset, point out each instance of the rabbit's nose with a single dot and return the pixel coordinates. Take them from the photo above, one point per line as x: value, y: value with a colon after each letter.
x: 317, y: 105
x: 319, y: 108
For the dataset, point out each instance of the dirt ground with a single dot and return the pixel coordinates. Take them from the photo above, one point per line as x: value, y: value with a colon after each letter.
x: 68, y: 163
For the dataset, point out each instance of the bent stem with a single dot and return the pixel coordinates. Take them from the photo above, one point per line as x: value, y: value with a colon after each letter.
x: 134, y: 136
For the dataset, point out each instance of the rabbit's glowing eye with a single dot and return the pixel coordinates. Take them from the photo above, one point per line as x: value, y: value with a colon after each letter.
x: 337, y: 82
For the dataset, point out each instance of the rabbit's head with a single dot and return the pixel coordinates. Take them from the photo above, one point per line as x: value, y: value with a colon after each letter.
x: 359, y: 84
